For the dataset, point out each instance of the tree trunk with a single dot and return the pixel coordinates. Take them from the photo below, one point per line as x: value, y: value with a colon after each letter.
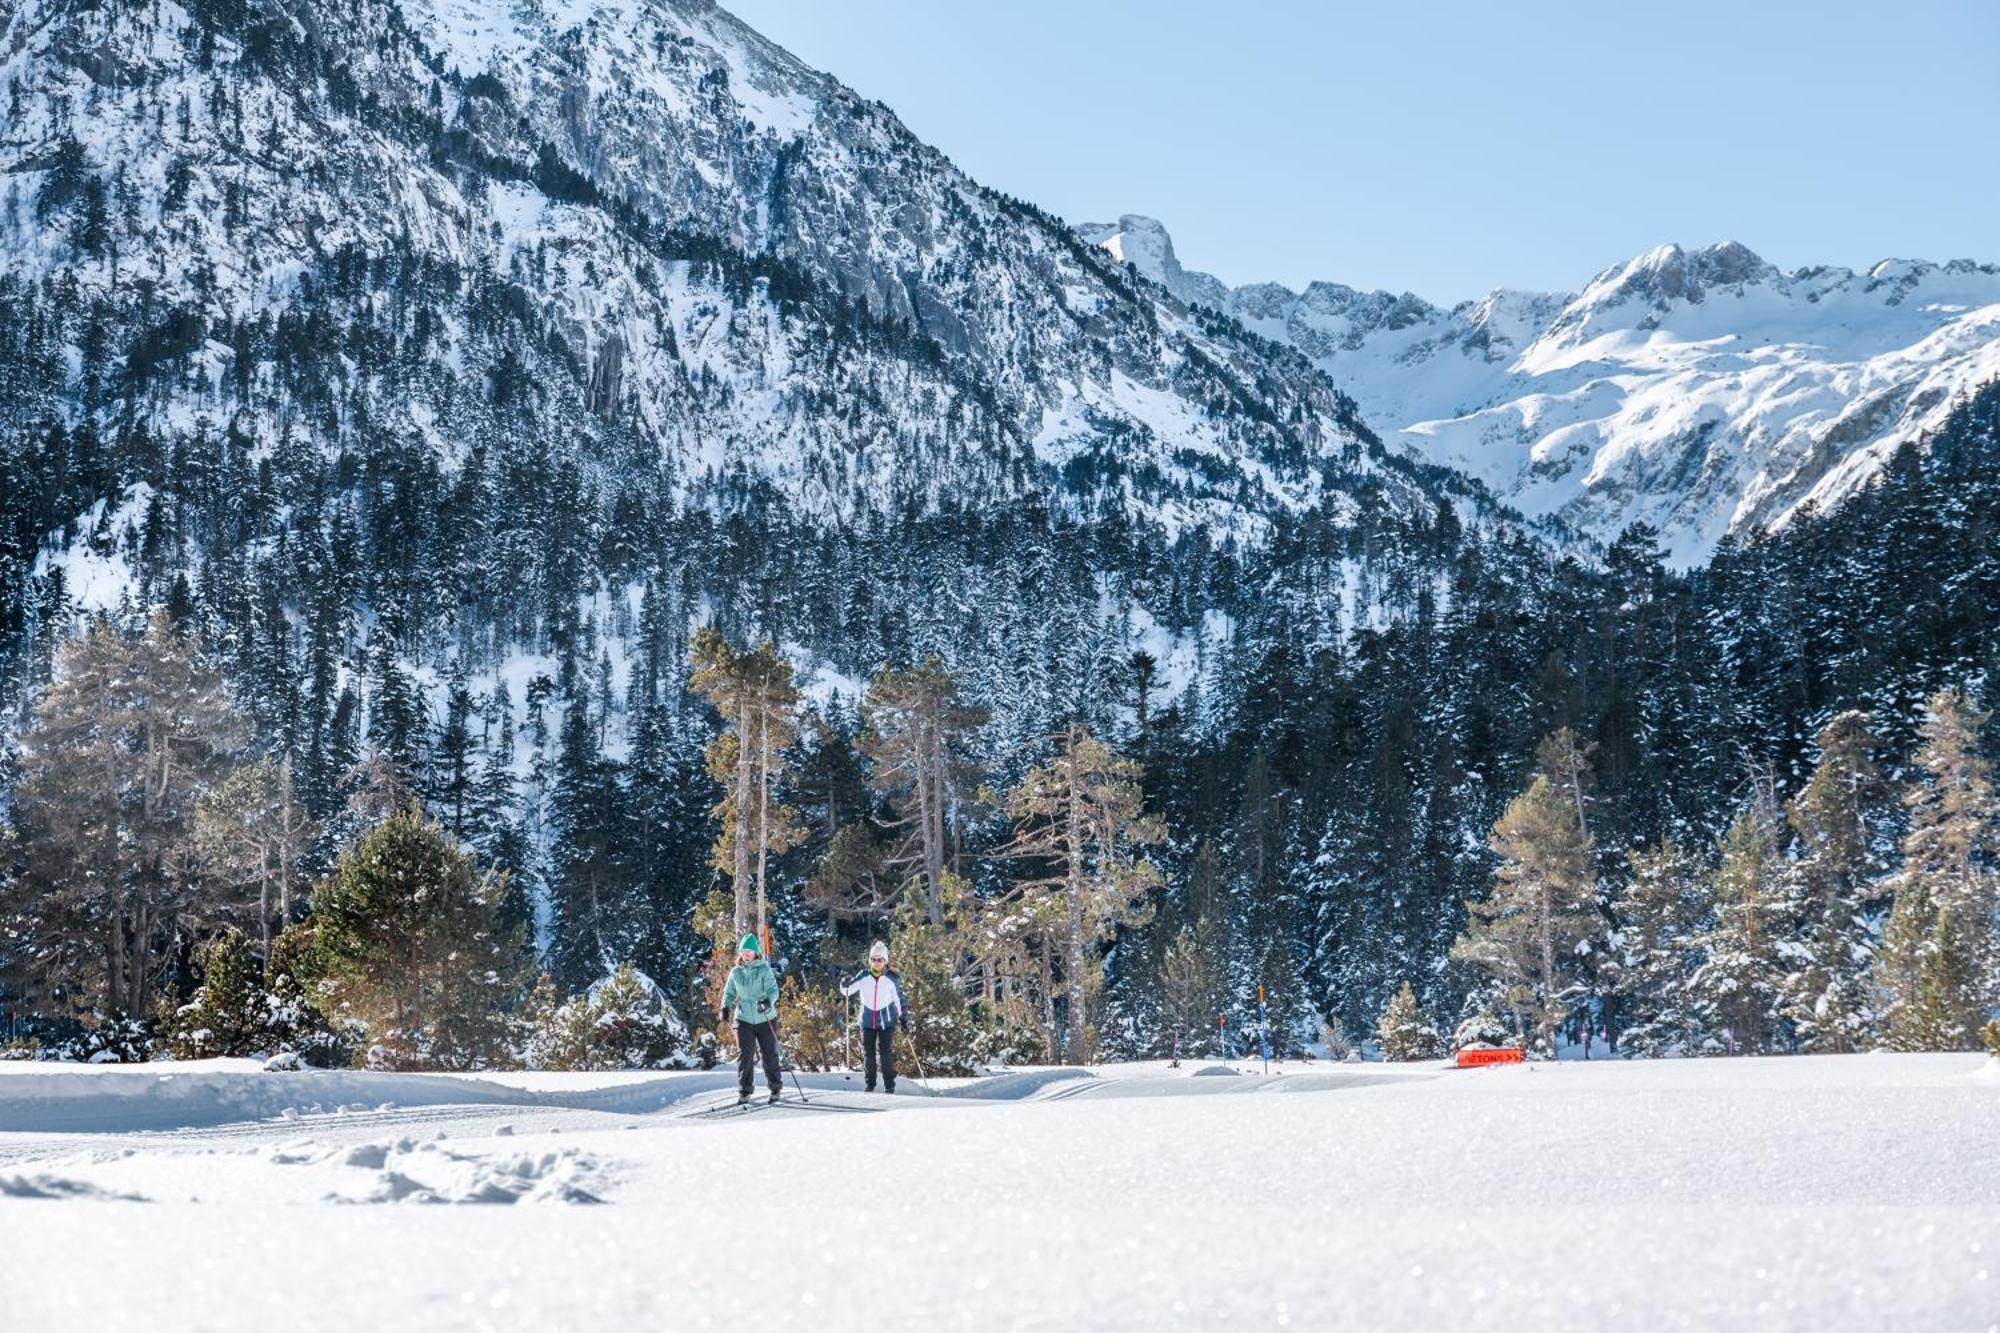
x: 740, y: 868
x: 264, y: 903
x: 1548, y: 941
x: 1049, y: 1000
x: 1074, y: 964
x: 114, y: 964
x: 927, y: 825
x: 135, y: 957
x: 763, y: 807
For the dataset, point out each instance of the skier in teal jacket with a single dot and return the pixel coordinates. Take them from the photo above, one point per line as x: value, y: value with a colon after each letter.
x: 751, y: 997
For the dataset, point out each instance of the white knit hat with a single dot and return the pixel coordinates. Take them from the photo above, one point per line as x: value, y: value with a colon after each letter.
x: 878, y: 950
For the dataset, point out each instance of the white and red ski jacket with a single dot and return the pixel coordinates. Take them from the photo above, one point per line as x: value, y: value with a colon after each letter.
x: 881, y: 999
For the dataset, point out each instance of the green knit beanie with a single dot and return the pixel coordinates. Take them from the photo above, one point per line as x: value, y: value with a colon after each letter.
x: 750, y: 945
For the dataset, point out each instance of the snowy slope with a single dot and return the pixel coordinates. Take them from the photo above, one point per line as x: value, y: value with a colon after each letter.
x: 722, y: 251
x: 1701, y: 392
x: 1826, y: 1193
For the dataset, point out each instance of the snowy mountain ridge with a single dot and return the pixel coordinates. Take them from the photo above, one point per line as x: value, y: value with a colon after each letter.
x: 1705, y: 392
x: 579, y: 147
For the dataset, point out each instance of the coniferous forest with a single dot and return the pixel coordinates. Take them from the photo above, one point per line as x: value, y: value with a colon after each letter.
x: 1740, y: 809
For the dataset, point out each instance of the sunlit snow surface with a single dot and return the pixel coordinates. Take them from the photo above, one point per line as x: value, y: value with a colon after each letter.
x: 1833, y: 1193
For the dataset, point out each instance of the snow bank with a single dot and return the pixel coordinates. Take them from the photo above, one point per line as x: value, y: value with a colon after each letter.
x: 55, y: 1098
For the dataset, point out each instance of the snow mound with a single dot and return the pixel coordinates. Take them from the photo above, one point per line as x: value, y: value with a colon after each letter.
x: 58, y: 1187
x: 407, y: 1172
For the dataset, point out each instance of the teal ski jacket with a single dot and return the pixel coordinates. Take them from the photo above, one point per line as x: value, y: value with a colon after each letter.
x: 751, y: 993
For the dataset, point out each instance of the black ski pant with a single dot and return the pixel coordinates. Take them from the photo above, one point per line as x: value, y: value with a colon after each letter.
x: 752, y: 1038
x: 878, y: 1046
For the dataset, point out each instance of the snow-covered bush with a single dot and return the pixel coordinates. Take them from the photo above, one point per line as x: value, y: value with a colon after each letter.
x: 1406, y: 1032
x: 636, y: 1027
x: 295, y: 1022
x: 230, y: 1012
x: 622, y: 1022
x: 119, y: 1041
x: 1480, y: 1027
x: 1010, y: 1040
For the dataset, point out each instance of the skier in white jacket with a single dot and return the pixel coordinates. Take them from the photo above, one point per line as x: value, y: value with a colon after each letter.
x: 882, y: 1011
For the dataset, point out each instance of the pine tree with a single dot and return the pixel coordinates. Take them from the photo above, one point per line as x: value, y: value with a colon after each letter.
x: 293, y: 994
x: 230, y: 1012
x: 1825, y: 991
x: 1190, y: 992
x: 408, y: 941
x: 917, y: 732
x: 943, y: 1034
x: 1080, y: 818
x: 125, y: 742
x: 1661, y: 916
x: 1735, y: 990
x: 1939, y: 949
x: 754, y: 693
x: 635, y: 1027
x: 1526, y: 934
x: 589, y: 878
x: 396, y: 724
x: 253, y: 832
x: 453, y: 789
x: 1406, y: 1032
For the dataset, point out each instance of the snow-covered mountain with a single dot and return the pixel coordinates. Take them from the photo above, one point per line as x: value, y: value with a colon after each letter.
x: 721, y: 252
x: 478, y: 321
x: 1703, y: 392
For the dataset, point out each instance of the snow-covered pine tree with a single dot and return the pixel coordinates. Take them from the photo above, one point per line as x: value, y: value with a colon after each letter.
x: 1661, y: 916
x: 1735, y: 990
x: 451, y: 789
x: 1939, y: 950
x: 1190, y: 994
x: 124, y: 743
x: 1527, y: 933
x: 636, y: 1028
x: 588, y: 874
x: 1825, y: 991
x: 1405, y: 1031
x: 229, y: 1013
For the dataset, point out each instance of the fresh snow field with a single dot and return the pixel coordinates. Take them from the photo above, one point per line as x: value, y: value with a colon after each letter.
x: 1858, y: 1192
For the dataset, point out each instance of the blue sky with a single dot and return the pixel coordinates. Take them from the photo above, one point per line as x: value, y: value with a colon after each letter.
x: 1444, y: 146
